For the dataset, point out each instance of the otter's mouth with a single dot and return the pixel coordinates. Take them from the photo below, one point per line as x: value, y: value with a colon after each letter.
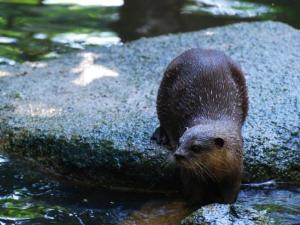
x: 181, y: 161
x: 179, y: 158
x: 188, y: 164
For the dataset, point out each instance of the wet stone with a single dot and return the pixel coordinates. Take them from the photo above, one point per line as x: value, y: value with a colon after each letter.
x: 89, y: 116
x: 217, y: 214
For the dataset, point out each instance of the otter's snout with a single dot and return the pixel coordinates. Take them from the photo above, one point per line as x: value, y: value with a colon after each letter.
x: 179, y: 157
x: 179, y: 154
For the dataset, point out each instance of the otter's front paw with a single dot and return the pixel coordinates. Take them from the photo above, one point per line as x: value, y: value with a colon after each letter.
x: 160, y: 136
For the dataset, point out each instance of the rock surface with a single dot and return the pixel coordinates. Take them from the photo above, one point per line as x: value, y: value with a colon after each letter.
x: 217, y: 214
x: 90, y: 115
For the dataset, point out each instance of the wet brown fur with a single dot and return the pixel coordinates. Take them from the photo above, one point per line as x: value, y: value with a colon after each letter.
x: 203, y: 96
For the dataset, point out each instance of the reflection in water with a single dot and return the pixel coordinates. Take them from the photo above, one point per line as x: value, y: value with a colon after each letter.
x: 282, y: 205
x: 228, y: 8
x: 148, y: 18
x: 3, y: 160
x: 29, y: 197
x: 86, y: 2
x: 44, y: 29
x: 159, y: 213
x: 79, y: 41
x: 7, y: 40
x: 155, y: 17
x: 38, y: 30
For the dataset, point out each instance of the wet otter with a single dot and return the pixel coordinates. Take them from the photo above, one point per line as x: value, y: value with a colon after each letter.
x: 202, y: 104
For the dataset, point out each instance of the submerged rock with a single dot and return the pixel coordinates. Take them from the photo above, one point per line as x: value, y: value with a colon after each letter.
x: 89, y: 116
x: 217, y: 214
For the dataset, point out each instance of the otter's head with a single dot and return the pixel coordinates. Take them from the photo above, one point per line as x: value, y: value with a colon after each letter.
x: 211, y: 153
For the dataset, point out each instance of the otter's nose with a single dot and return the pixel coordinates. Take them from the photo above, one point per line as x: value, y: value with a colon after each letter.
x: 178, y: 156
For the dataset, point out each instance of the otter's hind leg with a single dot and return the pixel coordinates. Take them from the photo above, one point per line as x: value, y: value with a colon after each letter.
x: 160, y: 136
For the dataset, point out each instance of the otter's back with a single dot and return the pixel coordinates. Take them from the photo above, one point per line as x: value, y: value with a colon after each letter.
x: 201, y: 84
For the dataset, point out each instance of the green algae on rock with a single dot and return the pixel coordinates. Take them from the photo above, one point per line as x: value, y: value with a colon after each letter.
x: 90, y: 115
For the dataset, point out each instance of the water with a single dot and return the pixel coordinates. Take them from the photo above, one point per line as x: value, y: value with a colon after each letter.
x: 42, y: 29
x: 282, y: 203
x: 30, y: 197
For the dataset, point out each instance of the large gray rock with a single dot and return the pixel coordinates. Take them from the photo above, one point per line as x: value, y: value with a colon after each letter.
x: 90, y: 115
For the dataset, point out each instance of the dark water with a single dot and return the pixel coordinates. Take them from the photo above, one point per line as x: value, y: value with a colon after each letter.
x: 38, y: 29
x: 29, y: 197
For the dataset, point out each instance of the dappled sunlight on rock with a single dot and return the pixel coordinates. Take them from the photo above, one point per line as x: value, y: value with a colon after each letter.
x: 36, y: 65
x: 88, y: 72
x: 4, y: 73
x: 209, y: 33
x: 37, y: 109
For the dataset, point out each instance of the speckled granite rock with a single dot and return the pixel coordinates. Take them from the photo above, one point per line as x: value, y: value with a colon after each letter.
x: 90, y: 115
x: 217, y: 214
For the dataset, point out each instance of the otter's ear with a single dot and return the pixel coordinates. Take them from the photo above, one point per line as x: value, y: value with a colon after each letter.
x: 219, y: 142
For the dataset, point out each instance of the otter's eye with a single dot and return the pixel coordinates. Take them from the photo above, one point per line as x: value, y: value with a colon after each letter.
x: 196, y: 148
x: 219, y: 142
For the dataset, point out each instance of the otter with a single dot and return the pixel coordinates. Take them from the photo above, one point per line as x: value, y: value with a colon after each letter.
x: 202, y: 104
